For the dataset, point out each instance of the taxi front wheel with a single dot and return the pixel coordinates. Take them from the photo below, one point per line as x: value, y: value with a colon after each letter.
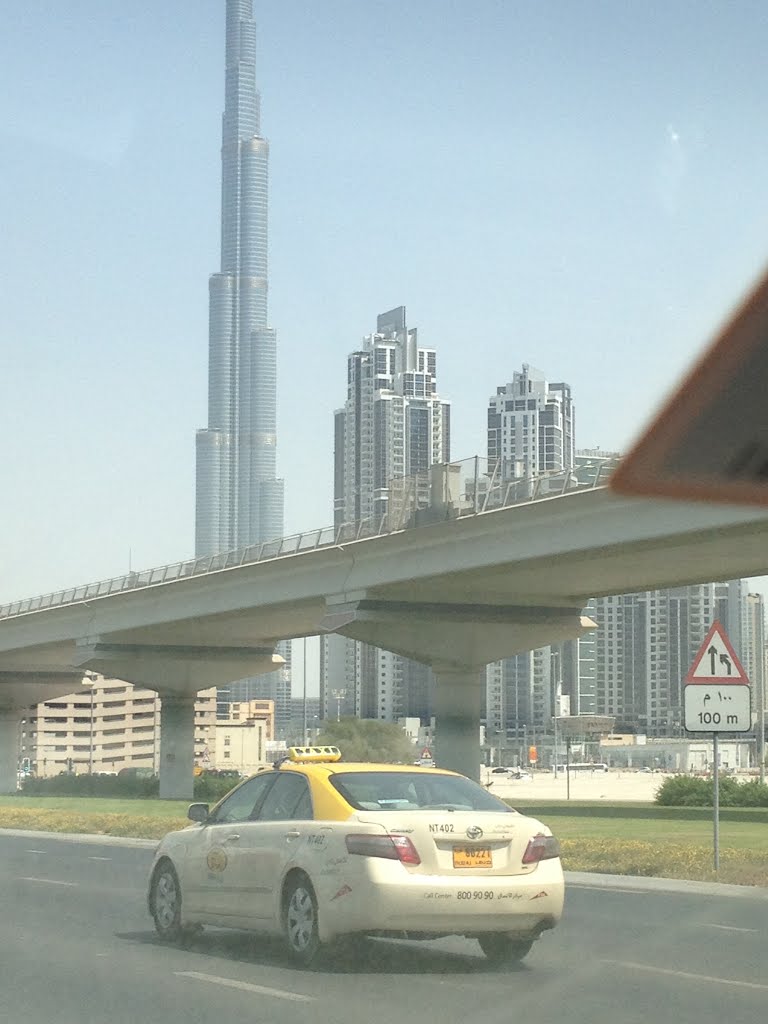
x: 165, y: 898
x: 300, y: 920
x: 503, y: 949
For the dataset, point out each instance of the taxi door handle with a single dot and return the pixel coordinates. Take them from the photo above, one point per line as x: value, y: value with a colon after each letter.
x: 293, y: 834
x: 234, y: 838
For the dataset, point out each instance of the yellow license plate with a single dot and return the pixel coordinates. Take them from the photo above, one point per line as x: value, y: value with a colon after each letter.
x: 472, y: 857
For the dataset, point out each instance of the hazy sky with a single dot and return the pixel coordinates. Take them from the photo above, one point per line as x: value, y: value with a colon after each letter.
x: 577, y: 185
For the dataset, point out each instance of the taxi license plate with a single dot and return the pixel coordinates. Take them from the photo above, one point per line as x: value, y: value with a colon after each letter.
x: 472, y: 857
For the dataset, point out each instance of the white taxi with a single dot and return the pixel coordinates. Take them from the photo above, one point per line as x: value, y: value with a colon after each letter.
x: 317, y: 850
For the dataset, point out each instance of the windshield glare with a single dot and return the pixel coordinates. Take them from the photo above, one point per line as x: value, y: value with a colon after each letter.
x: 412, y: 791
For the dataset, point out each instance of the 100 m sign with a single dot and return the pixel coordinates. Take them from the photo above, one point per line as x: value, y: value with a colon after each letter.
x: 715, y: 718
x: 718, y: 707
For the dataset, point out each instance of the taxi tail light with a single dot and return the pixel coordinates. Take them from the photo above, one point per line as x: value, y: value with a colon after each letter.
x: 541, y: 847
x: 390, y: 847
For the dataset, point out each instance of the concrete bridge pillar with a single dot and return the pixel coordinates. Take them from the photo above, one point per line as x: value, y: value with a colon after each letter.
x: 9, y: 749
x: 178, y: 673
x: 177, y: 747
x: 458, y: 706
x: 458, y: 641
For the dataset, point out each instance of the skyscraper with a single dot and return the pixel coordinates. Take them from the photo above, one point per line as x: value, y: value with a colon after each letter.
x: 645, y: 643
x: 239, y: 498
x: 393, y: 425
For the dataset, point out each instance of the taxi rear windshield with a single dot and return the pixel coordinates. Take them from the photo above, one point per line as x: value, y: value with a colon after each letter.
x: 406, y: 791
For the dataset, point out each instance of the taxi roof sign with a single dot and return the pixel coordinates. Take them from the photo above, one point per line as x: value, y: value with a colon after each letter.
x: 310, y: 754
x: 716, y: 661
x: 710, y: 439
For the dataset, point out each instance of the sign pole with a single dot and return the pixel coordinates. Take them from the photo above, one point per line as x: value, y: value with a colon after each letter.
x: 717, y: 697
x: 716, y: 801
x: 567, y: 767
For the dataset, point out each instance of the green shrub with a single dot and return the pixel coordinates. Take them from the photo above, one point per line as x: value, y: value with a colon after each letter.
x: 209, y: 789
x: 685, y: 791
x: 692, y: 791
x: 93, y: 785
x: 753, y: 794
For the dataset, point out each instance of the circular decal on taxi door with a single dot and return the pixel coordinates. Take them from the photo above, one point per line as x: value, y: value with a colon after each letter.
x: 216, y: 860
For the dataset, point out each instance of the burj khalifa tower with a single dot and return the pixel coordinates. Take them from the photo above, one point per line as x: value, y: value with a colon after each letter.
x: 239, y: 498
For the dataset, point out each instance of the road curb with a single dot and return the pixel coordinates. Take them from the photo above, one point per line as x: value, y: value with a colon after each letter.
x: 80, y: 837
x: 679, y: 885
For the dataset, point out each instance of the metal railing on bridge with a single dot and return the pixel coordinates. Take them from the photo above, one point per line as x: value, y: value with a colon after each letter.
x: 450, y: 490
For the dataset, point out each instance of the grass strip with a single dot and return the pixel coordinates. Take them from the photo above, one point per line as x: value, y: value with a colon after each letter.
x: 634, y: 810
x: 663, y: 846
x: 668, y: 860
x: 140, y: 826
x: 138, y: 807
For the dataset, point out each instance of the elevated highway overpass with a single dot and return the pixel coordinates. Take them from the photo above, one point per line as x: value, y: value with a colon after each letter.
x: 456, y: 593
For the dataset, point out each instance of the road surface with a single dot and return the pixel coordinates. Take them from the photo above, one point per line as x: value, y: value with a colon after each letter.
x: 78, y: 948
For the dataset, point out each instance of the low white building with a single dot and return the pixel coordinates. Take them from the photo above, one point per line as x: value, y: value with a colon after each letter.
x: 678, y: 755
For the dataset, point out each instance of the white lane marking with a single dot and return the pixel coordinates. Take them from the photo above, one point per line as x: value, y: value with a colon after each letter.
x: 605, y: 888
x: 729, y: 928
x: 246, y: 986
x: 47, y: 881
x: 35, y: 851
x: 99, y: 858
x: 688, y: 975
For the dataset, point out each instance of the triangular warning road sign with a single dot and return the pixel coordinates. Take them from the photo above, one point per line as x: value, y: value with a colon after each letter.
x: 716, y: 661
x: 426, y: 753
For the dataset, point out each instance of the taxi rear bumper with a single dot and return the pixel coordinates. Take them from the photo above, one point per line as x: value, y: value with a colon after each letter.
x: 386, y: 898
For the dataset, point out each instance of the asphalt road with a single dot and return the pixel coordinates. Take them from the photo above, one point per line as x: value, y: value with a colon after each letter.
x: 77, y: 947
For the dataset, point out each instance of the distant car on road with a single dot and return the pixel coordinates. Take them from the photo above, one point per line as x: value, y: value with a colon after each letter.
x: 318, y: 850
x: 519, y: 774
x: 136, y: 773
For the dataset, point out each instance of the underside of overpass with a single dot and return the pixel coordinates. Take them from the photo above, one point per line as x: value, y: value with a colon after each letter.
x: 455, y: 595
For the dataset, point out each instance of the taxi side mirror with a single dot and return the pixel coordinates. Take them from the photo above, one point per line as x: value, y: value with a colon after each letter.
x: 198, y: 812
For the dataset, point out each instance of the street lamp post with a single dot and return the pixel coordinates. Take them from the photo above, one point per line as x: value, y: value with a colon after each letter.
x: 558, y: 693
x: 90, y: 682
x: 339, y: 696
x: 304, y: 737
x: 761, y: 720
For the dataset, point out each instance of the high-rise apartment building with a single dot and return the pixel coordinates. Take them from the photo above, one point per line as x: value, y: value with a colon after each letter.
x: 393, y: 426
x: 631, y: 667
x: 531, y: 426
x: 239, y: 498
x: 756, y: 666
x: 530, y: 433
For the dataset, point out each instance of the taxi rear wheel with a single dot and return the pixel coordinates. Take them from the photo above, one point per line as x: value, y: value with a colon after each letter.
x: 500, y: 948
x: 300, y: 920
x: 166, y: 902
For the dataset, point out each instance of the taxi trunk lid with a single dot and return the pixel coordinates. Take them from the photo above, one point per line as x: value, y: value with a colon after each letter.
x: 460, y: 843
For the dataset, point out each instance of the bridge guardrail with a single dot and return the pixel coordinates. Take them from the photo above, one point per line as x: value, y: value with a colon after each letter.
x: 467, y: 487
